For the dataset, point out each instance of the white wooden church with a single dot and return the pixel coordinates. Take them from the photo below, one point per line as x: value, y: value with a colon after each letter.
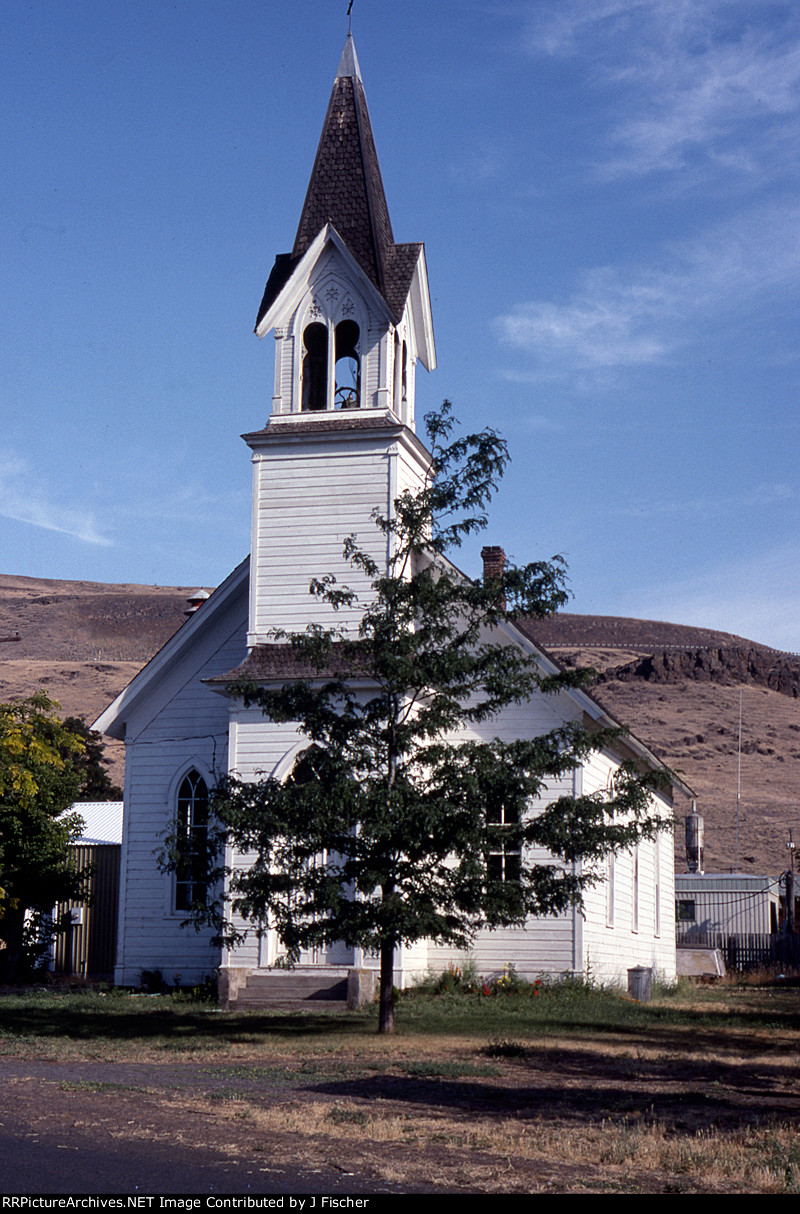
x: 350, y: 313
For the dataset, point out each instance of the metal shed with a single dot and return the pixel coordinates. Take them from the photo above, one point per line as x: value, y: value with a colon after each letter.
x: 729, y: 904
x: 87, y: 945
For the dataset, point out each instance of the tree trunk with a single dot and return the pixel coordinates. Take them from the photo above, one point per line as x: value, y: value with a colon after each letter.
x: 386, y: 1017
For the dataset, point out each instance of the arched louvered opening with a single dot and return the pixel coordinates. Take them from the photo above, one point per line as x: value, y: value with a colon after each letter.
x: 347, y: 372
x: 315, y: 367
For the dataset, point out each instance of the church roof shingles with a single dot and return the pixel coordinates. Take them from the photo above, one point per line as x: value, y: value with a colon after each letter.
x: 346, y: 190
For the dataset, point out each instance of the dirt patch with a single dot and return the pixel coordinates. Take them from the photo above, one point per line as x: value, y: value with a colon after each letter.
x: 655, y: 1115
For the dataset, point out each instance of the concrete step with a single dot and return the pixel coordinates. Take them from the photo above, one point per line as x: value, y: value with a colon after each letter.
x: 273, y: 988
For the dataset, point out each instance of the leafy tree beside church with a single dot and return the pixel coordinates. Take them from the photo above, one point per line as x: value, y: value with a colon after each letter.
x: 91, y: 763
x: 40, y: 778
x: 404, y: 818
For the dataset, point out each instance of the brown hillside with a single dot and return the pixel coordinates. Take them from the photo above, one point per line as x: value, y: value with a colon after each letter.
x: 619, y: 632
x: 82, y: 642
x: 88, y: 621
x: 677, y: 688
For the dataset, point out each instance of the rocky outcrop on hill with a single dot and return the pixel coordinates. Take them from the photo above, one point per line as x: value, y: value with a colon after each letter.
x: 725, y: 665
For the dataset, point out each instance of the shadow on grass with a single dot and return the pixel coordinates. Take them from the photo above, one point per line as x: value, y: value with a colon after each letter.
x: 553, y: 1100
x: 591, y: 1012
x: 173, y: 1022
x: 70, y: 1018
x: 677, y: 1091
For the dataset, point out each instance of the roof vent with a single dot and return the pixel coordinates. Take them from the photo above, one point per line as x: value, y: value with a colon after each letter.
x: 195, y: 600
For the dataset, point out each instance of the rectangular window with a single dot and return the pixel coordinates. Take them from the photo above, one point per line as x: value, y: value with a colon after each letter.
x: 685, y: 911
x: 504, y: 855
x: 610, y: 893
x: 635, y: 891
x: 657, y: 884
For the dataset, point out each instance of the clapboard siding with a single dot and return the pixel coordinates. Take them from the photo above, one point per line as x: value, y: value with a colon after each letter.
x: 541, y: 947
x: 181, y: 724
x: 614, y: 944
x: 308, y: 498
x: 307, y: 506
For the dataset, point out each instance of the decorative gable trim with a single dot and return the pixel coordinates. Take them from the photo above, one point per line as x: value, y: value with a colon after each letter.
x: 298, y: 280
x: 113, y: 721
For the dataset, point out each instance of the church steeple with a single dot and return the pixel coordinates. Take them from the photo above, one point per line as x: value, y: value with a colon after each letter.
x: 350, y: 311
x: 346, y: 188
x: 375, y: 308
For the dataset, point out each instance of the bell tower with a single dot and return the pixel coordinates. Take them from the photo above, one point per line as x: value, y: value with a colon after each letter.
x: 350, y: 312
x: 349, y: 308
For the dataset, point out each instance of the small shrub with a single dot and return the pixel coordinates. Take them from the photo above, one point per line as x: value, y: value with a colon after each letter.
x: 509, y: 982
x: 203, y: 992
x: 344, y: 1116
x: 455, y: 979
x: 505, y: 1049
x: 151, y: 982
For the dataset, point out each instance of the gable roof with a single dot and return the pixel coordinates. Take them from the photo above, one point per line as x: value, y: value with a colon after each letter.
x: 102, y: 822
x: 346, y: 191
x: 114, y: 719
x: 279, y: 662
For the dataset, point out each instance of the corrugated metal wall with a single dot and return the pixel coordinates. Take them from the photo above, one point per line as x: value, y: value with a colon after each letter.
x: 88, y: 944
x: 737, y: 907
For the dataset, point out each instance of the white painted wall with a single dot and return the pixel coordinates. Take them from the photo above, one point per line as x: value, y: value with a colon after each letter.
x: 613, y: 944
x: 180, y: 723
x: 310, y: 492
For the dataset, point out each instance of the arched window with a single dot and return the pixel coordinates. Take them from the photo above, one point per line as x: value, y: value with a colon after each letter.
x: 315, y: 367
x: 305, y: 767
x: 347, y: 373
x: 400, y: 375
x: 326, y: 386
x: 610, y: 891
x: 191, y: 874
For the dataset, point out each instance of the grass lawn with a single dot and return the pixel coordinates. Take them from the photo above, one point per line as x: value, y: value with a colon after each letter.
x: 571, y: 1089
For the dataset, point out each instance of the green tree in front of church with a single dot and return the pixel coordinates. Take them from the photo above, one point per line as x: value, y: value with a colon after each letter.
x: 404, y: 819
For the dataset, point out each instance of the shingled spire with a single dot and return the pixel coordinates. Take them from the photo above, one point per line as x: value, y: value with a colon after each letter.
x: 346, y: 190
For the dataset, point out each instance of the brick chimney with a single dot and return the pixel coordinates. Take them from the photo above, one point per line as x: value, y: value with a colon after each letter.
x: 494, y: 563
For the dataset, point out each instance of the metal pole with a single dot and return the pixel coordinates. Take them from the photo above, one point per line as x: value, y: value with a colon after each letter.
x: 738, y: 781
x: 790, y: 888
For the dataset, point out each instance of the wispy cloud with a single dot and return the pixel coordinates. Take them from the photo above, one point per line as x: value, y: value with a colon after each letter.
x: 719, y: 79
x: 484, y: 161
x: 755, y: 597
x: 619, y: 317
x: 191, y: 504
x: 25, y: 499
x: 749, y: 498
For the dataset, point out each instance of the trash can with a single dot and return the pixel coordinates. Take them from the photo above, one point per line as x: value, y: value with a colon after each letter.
x: 640, y: 980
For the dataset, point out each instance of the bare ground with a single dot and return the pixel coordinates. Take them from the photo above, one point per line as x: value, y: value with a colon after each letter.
x: 670, y: 1110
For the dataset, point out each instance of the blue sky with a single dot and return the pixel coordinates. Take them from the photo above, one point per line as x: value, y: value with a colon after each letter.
x: 608, y: 194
